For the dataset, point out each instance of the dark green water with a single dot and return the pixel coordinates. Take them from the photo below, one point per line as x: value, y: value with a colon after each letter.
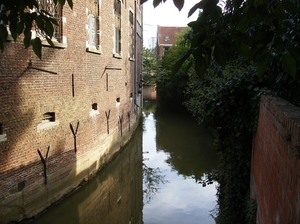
x: 179, y: 153
x: 152, y: 181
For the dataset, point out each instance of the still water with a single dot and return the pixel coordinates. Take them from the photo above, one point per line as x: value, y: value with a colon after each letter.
x: 153, y: 180
x: 177, y: 154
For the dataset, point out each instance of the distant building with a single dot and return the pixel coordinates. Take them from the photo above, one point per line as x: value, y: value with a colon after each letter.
x: 166, y: 38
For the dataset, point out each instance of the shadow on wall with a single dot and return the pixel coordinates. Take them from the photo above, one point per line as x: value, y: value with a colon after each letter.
x: 28, y: 158
x: 113, y: 196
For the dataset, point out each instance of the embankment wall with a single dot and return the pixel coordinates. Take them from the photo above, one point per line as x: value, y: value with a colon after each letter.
x: 276, y: 162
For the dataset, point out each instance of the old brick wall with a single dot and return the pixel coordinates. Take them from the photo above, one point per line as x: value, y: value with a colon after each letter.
x: 276, y: 162
x: 81, y: 80
x: 166, y: 37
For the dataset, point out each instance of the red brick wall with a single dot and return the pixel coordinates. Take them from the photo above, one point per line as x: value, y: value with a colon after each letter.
x: 276, y: 162
x: 26, y: 94
x: 162, y: 32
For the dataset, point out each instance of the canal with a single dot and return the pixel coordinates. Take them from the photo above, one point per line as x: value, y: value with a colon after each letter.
x: 153, y: 180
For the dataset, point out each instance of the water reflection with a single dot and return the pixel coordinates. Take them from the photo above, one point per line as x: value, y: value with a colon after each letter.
x: 114, y: 196
x: 181, y: 153
x: 189, y: 146
x: 153, y: 178
x: 176, y: 152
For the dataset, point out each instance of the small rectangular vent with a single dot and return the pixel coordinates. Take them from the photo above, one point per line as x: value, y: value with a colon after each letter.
x: 48, y: 117
x: 94, y: 106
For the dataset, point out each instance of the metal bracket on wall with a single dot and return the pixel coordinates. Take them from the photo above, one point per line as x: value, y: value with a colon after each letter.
x: 109, y: 66
x: 74, y: 135
x: 121, y: 124
x: 39, y: 69
x: 73, y: 86
x: 107, y: 114
x: 128, y: 115
x: 109, y: 204
x: 44, y: 161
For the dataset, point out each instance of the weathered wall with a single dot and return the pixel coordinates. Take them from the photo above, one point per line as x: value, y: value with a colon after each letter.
x: 114, y: 195
x: 27, y: 94
x: 276, y: 162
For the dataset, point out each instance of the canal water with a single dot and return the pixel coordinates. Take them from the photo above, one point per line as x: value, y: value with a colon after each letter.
x: 153, y: 180
x: 178, y: 153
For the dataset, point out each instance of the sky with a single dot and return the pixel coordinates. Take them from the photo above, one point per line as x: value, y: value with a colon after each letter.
x: 165, y: 14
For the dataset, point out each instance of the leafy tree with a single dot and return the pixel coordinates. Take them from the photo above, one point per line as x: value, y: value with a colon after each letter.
x: 170, y: 87
x: 18, y: 16
x: 265, y: 32
x: 227, y: 99
x: 248, y: 49
x: 149, y: 66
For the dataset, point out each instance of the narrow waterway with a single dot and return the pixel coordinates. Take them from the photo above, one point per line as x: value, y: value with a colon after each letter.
x: 153, y: 180
x: 178, y: 153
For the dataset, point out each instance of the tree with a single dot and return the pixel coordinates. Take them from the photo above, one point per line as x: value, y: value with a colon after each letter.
x: 170, y: 87
x: 17, y: 17
x: 265, y: 32
x: 149, y: 66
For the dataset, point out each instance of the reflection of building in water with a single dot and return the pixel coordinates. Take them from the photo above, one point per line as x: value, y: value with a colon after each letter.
x: 149, y: 93
x: 115, y: 195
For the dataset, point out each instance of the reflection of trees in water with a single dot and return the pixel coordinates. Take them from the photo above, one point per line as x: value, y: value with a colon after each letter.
x: 149, y: 107
x: 208, y: 178
x: 152, y: 178
x: 190, y: 148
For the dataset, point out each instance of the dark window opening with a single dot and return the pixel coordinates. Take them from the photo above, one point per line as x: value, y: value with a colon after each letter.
x: 48, y: 117
x: 54, y: 11
x: 94, y: 106
x: 1, y: 129
x: 117, y: 11
x: 131, y: 35
x: 118, y: 100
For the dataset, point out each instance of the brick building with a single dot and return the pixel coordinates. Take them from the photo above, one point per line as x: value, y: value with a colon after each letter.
x: 64, y: 116
x: 166, y: 38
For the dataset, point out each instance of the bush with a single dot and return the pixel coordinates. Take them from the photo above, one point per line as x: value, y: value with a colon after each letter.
x: 227, y: 99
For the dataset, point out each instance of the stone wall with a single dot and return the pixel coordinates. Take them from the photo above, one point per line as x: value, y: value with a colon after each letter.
x: 276, y: 162
x: 64, y: 116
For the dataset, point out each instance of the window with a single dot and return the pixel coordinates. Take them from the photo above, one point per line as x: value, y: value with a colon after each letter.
x: 48, y: 117
x: 3, y: 136
x: 93, y: 27
x: 117, y: 22
x: 165, y: 49
x: 94, y: 110
x: 55, y: 11
x: 139, y: 29
x: 131, y: 35
x: 48, y: 121
x: 118, y: 101
x: 94, y: 106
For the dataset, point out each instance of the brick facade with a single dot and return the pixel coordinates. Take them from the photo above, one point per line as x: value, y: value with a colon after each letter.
x: 114, y: 195
x: 166, y: 38
x: 276, y: 163
x: 44, y: 102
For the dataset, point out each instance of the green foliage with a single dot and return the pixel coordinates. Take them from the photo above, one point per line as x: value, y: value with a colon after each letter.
x: 170, y: 87
x: 227, y: 99
x: 18, y: 17
x: 251, y: 211
x: 264, y: 32
x: 248, y: 49
x: 150, y: 66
